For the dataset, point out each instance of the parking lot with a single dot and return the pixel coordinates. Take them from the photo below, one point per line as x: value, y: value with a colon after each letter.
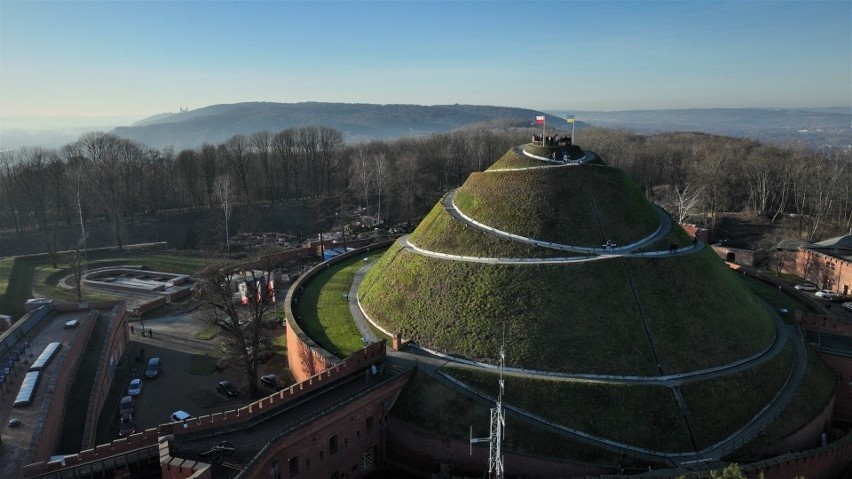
x: 181, y: 385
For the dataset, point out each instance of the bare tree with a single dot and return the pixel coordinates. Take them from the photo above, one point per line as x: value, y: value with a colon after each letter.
x: 235, y: 151
x: 381, y: 175
x: 238, y: 300
x: 261, y: 147
x: 682, y: 201
x: 223, y: 192
x: 362, y: 172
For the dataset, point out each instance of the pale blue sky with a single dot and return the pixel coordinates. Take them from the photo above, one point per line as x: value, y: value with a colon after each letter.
x: 135, y: 59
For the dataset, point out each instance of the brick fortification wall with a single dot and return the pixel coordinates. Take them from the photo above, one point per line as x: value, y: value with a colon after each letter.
x: 305, y: 357
x: 255, y: 411
x: 356, y: 431
x: 114, y: 346
x: 827, y: 462
x: 427, y: 451
x: 842, y: 365
x: 64, y: 367
x: 135, y: 442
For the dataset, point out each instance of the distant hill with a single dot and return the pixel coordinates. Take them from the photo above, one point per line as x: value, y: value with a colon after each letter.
x: 817, y: 127
x: 358, y: 122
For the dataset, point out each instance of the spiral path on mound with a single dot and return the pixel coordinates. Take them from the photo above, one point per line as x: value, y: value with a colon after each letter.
x: 432, y: 361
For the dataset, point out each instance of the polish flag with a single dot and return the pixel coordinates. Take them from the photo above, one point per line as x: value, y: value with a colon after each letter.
x: 539, y: 120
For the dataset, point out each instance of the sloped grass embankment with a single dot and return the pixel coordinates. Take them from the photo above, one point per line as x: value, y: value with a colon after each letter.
x: 513, y: 159
x: 630, y: 414
x: 718, y: 407
x: 559, y: 204
x: 324, y: 307
x: 437, y: 408
x: 699, y: 314
x: 441, y: 233
x: 556, y: 316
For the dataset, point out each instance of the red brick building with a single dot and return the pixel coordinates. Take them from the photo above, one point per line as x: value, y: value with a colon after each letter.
x: 828, y: 264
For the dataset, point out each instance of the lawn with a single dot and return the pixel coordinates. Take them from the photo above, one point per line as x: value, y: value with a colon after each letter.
x: 630, y: 414
x: 324, y: 307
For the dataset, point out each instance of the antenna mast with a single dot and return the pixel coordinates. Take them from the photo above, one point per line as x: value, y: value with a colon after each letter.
x: 498, y: 427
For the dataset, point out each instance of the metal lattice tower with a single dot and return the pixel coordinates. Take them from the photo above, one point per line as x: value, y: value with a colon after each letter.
x: 497, y: 429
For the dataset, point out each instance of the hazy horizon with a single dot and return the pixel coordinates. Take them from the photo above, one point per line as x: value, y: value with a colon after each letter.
x: 99, y: 60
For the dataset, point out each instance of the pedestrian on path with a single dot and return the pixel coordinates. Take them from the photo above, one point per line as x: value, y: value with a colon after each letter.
x: 132, y: 331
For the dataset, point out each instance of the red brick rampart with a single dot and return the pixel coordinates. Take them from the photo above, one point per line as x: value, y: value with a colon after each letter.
x: 355, y: 363
x: 114, y: 346
x: 842, y: 365
x: 46, y: 433
x: 827, y: 462
x: 305, y: 357
x: 134, y: 442
x: 823, y: 324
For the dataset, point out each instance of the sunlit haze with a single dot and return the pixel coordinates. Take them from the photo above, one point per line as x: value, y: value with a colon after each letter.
x: 114, y: 61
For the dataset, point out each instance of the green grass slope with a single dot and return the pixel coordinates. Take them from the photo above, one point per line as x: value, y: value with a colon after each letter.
x: 631, y: 414
x: 581, y: 317
x: 442, y: 233
x: 698, y: 312
x: 559, y: 204
x: 512, y: 159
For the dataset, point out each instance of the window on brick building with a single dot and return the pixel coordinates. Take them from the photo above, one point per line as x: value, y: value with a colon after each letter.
x: 293, y: 466
x: 369, y: 424
x: 335, y: 475
x: 332, y: 444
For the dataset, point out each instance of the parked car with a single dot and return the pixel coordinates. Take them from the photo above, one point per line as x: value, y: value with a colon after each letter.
x: 806, y: 287
x: 272, y: 382
x: 135, y: 387
x: 126, y: 426
x: 153, y: 368
x: 829, y: 295
x: 227, y: 388
x: 848, y: 306
x: 125, y: 406
x: 180, y: 416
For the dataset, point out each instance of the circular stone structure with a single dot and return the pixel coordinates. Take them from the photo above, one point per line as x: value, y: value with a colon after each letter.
x: 148, y: 289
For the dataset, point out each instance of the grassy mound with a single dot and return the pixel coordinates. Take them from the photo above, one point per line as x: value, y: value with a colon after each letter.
x: 749, y: 390
x: 698, y: 312
x: 581, y: 317
x: 573, y: 205
x: 431, y: 405
x: 513, y: 159
x: 813, y: 396
x: 442, y: 233
x: 553, y: 314
x: 630, y: 414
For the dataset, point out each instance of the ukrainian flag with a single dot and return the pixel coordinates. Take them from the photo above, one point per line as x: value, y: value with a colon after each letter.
x: 569, y: 118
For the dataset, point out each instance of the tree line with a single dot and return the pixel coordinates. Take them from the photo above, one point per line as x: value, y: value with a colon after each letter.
x: 694, y: 176
x: 697, y: 176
